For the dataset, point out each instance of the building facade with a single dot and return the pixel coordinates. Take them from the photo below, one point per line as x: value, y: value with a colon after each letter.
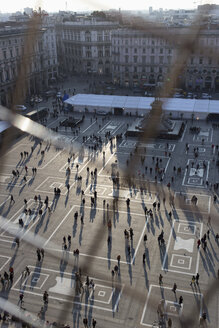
x: 84, y: 46
x: 140, y: 59
x: 40, y: 62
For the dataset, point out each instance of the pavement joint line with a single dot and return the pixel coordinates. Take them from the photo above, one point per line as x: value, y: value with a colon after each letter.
x: 52, y: 192
x: 8, y: 259
x: 167, y: 248
x: 5, y: 201
x: 139, y: 241
x: 169, y: 288
x: 16, y: 213
x: 168, y: 244
x: 88, y: 255
x: 65, y: 300
x: 105, y: 164
x: 100, y: 131
x: 65, y: 217
x: 181, y: 139
x: 93, y: 256
x: 89, y: 127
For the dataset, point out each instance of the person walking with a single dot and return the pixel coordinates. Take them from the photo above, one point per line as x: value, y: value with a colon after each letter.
x: 174, y: 288
x: 21, y: 299
x: 12, y: 199
x: 143, y: 258
x: 145, y: 239
x: 192, y: 281
x: 160, y: 279
x: 169, y: 322
x: 94, y: 322
x: 118, y: 259
x: 85, y: 322
x: 180, y: 300
x: 197, y: 278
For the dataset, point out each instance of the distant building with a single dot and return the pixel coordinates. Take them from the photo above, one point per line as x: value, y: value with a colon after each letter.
x: 140, y: 59
x: 84, y: 45
x: 40, y: 62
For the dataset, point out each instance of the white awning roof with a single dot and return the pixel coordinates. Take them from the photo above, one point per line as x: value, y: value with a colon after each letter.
x: 135, y: 103
x: 110, y: 101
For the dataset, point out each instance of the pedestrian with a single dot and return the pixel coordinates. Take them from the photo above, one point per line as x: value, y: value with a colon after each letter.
x: 11, y: 277
x: 108, y: 240
x: 198, y: 243
x: 208, y: 233
x: 169, y: 322
x: 160, y: 279
x: 69, y: 239
x: 118, y: 259
x: 21, y: 299
x: 94, y: 323
x: 209, y: 220
x: 85, y: 322
x: 17, y: 241
x: 180, y: 300
x: 113, y: 273
x: 26, y: 272
x: 82, y: 219
x: 192, y: 281
x: 38, y: 254
x: 12, y: 199
x: 174, y: 288
x: 131, y: 233
x: 197, y: 278
x: 143, y: 258
x: 145, y: 238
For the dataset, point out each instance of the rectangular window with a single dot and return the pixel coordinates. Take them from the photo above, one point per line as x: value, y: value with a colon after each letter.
x: 161, y: 59
x: 161, y: 50
x: 200, y: 60
x: 135, y: 50
x: 135, y: 59
x: 152, y: 50
x: 152, y: 60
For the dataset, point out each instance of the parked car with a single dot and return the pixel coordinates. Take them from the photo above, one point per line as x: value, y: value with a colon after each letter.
x: 50, y: 93
x: 101, y: 112
x: 205, y: 96
x: 20, y: 107
x: 177, y: 95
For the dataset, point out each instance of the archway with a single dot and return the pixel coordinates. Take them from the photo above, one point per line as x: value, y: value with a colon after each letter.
x: 216, y: 83
x: 208, y: 83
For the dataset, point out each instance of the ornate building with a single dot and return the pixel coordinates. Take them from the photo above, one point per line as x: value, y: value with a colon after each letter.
x: 40, y: 61
x: 140, y: 59
x: 84, y: 45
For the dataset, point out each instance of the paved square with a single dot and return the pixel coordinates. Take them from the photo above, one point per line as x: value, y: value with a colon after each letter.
x: 169, y: 306
x: 50, y: 183
x: 181, y: 253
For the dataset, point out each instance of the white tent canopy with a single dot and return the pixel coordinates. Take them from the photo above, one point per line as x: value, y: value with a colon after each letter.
x: 200, y: 108
x: 107, y: 103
